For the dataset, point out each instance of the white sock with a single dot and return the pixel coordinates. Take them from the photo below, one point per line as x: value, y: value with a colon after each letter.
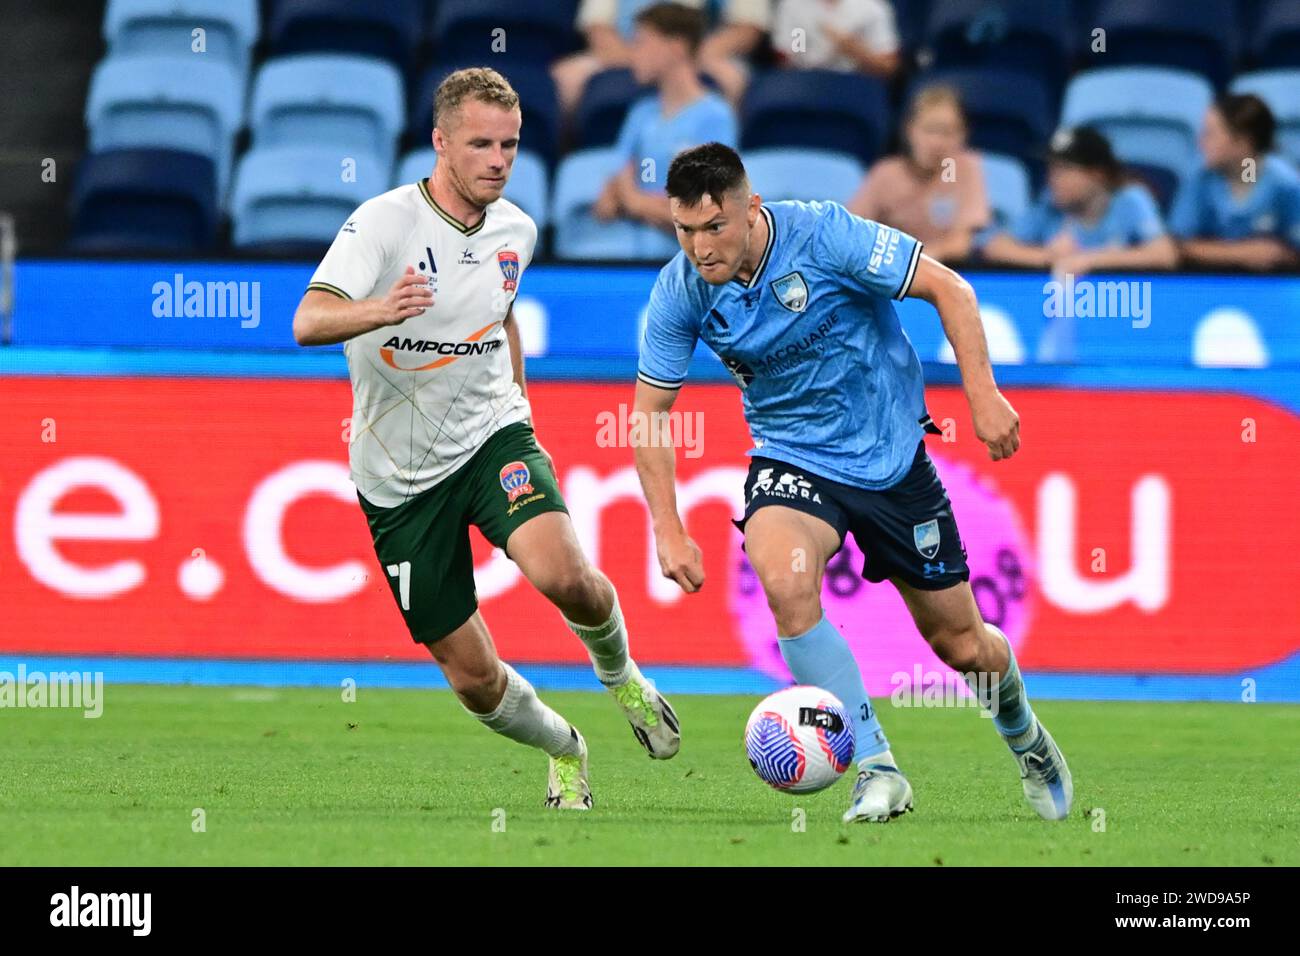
x: 522, y: 716
x: 606, y: 646
x: 884, y: 757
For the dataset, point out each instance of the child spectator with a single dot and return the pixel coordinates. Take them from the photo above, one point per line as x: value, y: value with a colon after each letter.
x: 1089, y: 220
x: 935, y: 191
x: 682, y: 113
x: 1242, y: 207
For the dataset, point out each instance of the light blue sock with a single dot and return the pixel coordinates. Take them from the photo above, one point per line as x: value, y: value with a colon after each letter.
x: 822, y: 657
x: 1014, y: 718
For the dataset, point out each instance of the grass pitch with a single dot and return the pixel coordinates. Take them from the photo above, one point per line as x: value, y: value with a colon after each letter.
x: 297, y: 776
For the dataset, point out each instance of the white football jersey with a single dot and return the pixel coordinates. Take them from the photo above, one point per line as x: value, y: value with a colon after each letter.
x: 428, y: 392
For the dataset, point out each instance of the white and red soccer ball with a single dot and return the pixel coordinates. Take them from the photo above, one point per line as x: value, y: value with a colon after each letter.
x: 799, y: 740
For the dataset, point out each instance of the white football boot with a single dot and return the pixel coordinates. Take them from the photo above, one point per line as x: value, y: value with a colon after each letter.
x: 880, y: 794
x: 652, y: 718
x: 1045, y: 776
x: 567, y: 787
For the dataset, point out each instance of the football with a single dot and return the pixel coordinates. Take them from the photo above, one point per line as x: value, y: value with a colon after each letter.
x: 799, y: 740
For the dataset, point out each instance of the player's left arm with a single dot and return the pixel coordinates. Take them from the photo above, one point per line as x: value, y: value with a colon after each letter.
x: 996, y: 423
x: 517, y: 366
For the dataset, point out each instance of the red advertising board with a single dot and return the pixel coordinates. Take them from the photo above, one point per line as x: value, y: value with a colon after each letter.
x: 1136, y: 531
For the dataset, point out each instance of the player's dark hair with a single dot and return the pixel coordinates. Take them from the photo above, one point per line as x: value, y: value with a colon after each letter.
x: 711, y: 169
x: 1246, y: 115
x: 675, y: 21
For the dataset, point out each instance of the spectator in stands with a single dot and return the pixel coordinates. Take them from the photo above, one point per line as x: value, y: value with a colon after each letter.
x: 1242, y: 208
x: 682, y: 113
x: 848, y: 35
x: 607, y: 26
x: 935, y: 191
x: 1090, y: 220
x: 726, y: 52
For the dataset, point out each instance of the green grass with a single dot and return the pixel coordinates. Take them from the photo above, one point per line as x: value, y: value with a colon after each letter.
x: 296, y: 776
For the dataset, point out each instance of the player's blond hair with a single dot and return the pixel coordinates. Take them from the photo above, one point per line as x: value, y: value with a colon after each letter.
x: 473, y: 83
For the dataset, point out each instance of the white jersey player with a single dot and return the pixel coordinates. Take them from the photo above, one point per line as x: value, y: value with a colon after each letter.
x: 419, y: 285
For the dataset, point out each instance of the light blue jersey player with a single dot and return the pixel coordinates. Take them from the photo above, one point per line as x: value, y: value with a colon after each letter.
x: 797, y: 300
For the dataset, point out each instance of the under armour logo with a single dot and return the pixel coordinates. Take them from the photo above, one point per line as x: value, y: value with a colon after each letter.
x: 932, y: 570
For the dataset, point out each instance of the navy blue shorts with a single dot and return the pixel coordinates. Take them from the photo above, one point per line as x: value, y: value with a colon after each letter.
x: 907, y: 531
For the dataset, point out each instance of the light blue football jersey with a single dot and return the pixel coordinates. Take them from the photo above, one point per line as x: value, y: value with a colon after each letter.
x: 829, y: 380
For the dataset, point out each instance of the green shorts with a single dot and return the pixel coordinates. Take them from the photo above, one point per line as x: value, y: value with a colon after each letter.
x: 423, y: 544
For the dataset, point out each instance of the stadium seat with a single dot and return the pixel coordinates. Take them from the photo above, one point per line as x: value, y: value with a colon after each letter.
x: 1151, y: 115
x: 806, y: 174
x: 1280, y: 89
x: 1009, y: 111
x: 170, y: 102
x: 579, y: 235
x: 389, y: 30
x: 144, y: 200
x: 605, y: 102
x: 330, y: 99
x: 167, y: 26
x: 537, y: 102
x: 1276, y: 42
x: 1200, y: 36
x: 295, y: 195
x: 816, y: 109
x: 527, y: 188
x: 534, y: 31
x: 1007, y: 184
x: 1028, y: 35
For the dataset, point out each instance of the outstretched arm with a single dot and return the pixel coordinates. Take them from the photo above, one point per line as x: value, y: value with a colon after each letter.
x: 996, y: 423
x: 656, y: 465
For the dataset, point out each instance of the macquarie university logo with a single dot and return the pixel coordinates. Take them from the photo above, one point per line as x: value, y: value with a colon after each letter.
x: 515, y: 480
x: 508, y: 260
x: 791, y: 291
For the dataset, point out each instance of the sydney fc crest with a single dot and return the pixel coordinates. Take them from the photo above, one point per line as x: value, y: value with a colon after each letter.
x: 926, y: 538
x: 509, y: 263
x: 791, y: 291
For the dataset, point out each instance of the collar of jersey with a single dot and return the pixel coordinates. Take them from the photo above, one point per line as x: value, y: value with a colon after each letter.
x: 767, y: 251
x: 448, y: 217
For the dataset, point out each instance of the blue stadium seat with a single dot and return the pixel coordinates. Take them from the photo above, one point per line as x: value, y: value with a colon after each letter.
x: 166, y: 101
x: 791, y: 173
x: 605, y: 102
x: 527, y: 189
x: 537, y: 102
x: 536, y: 31
x: 333, y: 99
x: 1199, y: 36
x: 295, y: 194
x: 911, y: 17
x: 1006, y: 183
x: 1276, y: 42
x: 816, y: 109
x: 166, y: 26
x: 1009, y: 111
x: 579, y: 235
x: 1028, y: 35
x: 1152, y: 116
x: 1280, y: 89
x: 389, y: 30
x: 144, y: 200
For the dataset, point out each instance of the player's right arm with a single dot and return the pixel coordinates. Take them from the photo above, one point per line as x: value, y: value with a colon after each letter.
x: 344, y: 298
x: 324, y: 318
x: 680, y: 558
x: 665, y: 354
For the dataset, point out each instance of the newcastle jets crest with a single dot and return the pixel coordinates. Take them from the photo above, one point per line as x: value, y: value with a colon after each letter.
x: 791, y: 291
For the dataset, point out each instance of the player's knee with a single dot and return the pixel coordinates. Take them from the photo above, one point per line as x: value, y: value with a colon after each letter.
x: 790, y: 594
